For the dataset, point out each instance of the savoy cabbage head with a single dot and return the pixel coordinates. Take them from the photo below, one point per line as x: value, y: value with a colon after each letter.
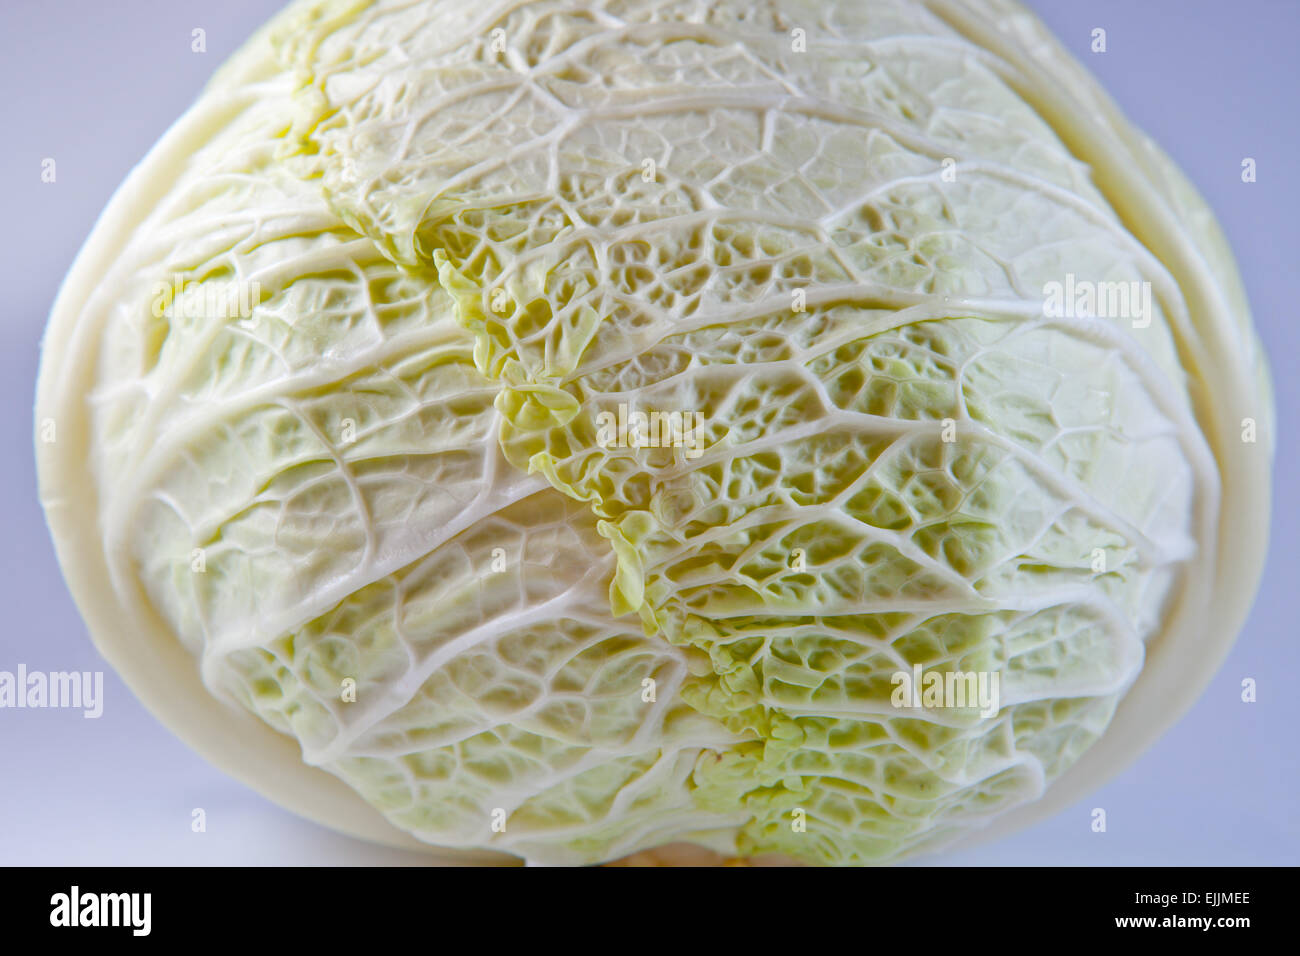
x: 564, y: 423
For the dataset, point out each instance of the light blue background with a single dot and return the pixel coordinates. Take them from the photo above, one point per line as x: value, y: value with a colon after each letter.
x: 94, y: 84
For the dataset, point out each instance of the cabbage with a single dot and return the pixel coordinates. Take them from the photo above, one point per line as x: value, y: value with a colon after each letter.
x: 550, y: 429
